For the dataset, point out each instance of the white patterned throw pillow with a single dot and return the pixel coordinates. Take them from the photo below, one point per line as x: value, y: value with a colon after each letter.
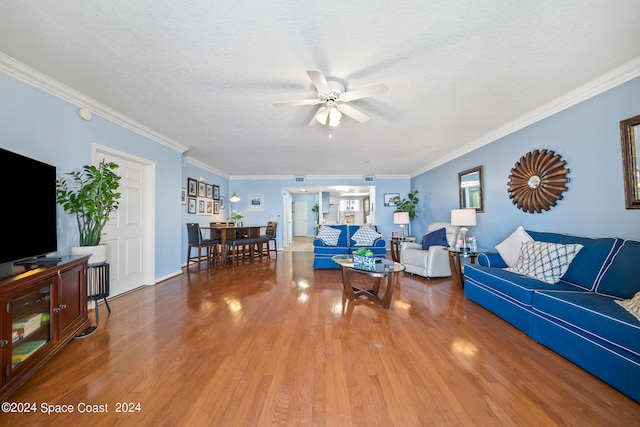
x: 329, y: 235
x: 365, y: 236
x: 544, y: 260
x: 631, y: 305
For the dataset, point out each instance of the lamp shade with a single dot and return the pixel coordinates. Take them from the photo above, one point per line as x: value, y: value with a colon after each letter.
x: 463, y: 217
x: 234, y: 198
x: 401, y: 217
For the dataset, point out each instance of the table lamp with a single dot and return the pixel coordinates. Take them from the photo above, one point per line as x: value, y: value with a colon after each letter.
x: 463, y: 218
x: 401, y: 218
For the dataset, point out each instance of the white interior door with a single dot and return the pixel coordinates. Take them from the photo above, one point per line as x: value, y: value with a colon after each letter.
x: 286, y: 219
x: 129, y: 232
x: 300, y: 219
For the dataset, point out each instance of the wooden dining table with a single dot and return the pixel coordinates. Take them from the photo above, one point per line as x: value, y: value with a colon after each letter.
x: 229, y: 233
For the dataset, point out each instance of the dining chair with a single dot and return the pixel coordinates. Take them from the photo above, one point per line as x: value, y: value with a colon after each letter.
x: 196, y: 241
x: 270, y: 233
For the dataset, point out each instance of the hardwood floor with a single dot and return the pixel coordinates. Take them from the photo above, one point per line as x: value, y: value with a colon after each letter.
x: 301, y: 244
x: 275, y: 342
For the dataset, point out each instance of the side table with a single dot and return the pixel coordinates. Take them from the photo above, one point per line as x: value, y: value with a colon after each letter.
x: 395, y: 247
x: 455, y: 264
x: 97, y: 288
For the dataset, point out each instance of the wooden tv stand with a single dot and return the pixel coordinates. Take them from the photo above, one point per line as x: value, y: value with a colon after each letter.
x: 43, y: 307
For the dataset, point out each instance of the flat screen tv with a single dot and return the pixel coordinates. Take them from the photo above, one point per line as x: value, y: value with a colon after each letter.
x: 28, y: 191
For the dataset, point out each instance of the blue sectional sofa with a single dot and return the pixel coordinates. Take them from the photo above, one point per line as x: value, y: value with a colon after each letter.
x: 323, y: 252
x: 576, y: 317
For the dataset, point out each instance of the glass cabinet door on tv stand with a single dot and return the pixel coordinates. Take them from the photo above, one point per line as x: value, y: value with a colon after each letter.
x: 30, y: 317
x: 44, y: 306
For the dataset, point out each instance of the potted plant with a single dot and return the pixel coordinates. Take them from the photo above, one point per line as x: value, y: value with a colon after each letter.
x: 410, y: 204
x: 364, y: 256
x: 91, y: 195
x: 315, y: 209
x: 236, y: 217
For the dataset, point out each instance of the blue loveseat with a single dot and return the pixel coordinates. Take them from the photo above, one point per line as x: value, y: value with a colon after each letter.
x: 576, y: 317
x: 322, y: 252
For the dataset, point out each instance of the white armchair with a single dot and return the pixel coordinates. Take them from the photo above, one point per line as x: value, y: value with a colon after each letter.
x: 433, y: 262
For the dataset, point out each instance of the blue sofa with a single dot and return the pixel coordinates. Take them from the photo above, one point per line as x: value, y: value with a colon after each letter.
x: 322, y: 252
x: 576, y: 317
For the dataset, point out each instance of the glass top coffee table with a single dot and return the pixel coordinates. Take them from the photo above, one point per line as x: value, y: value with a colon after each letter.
x: 382, y: 268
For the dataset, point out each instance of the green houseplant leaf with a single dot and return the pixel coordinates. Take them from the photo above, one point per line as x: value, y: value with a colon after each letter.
x: 91, y: 195
x: 410, y: 204
x: 236, y: 216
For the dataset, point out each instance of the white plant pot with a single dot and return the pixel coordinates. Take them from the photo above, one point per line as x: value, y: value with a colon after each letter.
x: 98, y: 253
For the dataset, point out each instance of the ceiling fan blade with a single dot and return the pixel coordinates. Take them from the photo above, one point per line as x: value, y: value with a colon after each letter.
x: 299, y: 102
x: 364, y: 92
x: 352, y: 112
x: 319, y: 81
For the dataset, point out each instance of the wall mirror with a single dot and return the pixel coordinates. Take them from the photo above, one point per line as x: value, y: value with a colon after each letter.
x: 470, y: 185
x: 630, y: 161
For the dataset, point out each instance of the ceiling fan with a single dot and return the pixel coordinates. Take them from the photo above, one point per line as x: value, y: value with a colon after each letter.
x: 334, y: 100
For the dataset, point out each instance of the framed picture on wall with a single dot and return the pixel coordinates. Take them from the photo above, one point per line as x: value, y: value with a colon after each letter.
x: 216, y: 192
x: 202, y: 189
x: 216, y: 207
x: 183, y: 196
x: 191, y: 205
x: 255, y: 202
x: 389, y: 199
x: 192, y: 187
x: 209, y: 191
x: 202, y: 207
x: 221, y: 202
x: 209, y: 207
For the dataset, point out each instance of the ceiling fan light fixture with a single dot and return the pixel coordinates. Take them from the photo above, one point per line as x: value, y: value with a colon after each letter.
x: 322, y: 116
x: 334, y: 117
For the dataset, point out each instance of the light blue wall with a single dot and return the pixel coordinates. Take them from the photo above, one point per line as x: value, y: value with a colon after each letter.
x: 38, y: 125
x: 197, y: 173
x: 587, y: 136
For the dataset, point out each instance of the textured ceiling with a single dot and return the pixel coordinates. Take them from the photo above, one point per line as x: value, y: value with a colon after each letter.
x: 205, y: 74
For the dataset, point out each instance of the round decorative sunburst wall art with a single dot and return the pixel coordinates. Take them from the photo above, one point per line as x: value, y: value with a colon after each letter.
x: 537, y: 181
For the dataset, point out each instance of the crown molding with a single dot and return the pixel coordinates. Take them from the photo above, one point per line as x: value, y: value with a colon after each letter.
x: 259, y: 177
x: 308, y: 177
x: 376, y: 176
x: 28, y: 75
x: 393, y: 176
x: 615, y: 77
x: 205, y: 166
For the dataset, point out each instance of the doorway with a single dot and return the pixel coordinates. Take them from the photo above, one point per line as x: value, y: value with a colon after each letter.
x: 300, y: 219
x: 129, y: 232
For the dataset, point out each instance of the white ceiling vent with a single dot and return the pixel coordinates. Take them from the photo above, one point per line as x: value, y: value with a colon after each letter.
x: 369, y: 178
x: 299, y: 179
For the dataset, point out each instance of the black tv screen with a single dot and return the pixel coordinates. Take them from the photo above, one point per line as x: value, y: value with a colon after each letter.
x: 28, y: 189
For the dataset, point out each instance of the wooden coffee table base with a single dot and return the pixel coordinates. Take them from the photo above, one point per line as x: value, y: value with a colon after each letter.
x: 372, y: 294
